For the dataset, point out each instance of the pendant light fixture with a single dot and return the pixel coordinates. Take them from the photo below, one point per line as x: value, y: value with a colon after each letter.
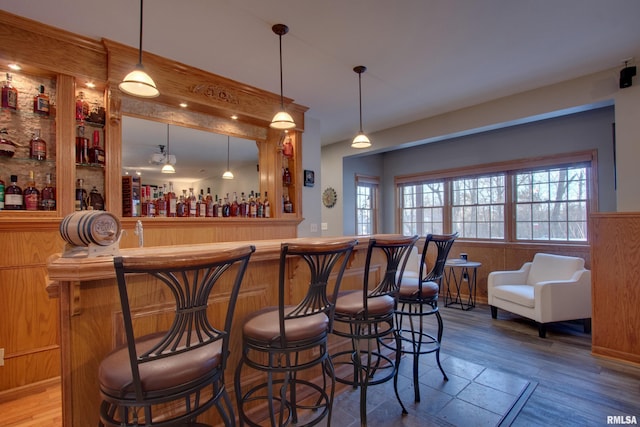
x: 168, y: 167
x: 227, y: 174
x: 282, y: 119
x: 361, y: 140
x: 138, y: 82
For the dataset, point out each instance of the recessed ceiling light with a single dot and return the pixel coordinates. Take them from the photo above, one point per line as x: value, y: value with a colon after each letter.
x: 183, y: 105
x: 234, y: 117
x: 91, y: 84
x: 15, y: 67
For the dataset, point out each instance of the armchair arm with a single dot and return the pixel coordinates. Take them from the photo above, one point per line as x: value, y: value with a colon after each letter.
x: 564, y: 299
x: 513, y: 277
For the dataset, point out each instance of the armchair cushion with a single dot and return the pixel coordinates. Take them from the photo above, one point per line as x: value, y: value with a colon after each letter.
x: 547, y: 267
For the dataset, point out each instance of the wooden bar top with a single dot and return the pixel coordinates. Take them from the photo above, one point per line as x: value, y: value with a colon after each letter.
x: 61, y: 269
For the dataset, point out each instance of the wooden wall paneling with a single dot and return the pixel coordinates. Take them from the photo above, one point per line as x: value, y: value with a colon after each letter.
x: 30, y: 319
x: 615, y: 279
x: 30, y: 328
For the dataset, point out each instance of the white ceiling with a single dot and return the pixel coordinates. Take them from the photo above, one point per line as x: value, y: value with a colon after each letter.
x: 423, y: 57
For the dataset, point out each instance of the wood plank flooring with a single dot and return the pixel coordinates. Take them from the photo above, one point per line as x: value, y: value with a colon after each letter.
x: 574, y: 388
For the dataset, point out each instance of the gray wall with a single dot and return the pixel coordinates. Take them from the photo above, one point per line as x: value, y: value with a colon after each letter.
x: 576, y: 132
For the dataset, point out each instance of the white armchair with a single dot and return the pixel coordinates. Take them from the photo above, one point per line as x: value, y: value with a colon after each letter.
x: 551, y: 288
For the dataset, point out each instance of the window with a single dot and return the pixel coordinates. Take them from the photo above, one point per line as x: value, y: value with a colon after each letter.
x: 366, y: 205
x: 422, y: 207
x: 552, y: 204
x: 548, y: 199
x: 477, y: 207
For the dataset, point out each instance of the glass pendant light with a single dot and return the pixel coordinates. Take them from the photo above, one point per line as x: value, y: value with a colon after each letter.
x: 227, y: 174
x: 138, y: 82
x: 282, y: 119
x: 361, y: 140
x: 168, y: 167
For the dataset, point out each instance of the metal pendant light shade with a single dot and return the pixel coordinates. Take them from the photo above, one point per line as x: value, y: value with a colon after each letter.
x: 138, y: 82
x: 282, y: 119
x: 227, y: 174
x: 361, y: 140
x: 168, y: 167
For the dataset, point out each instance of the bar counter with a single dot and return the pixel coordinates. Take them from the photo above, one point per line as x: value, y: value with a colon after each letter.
x: 90, y: 315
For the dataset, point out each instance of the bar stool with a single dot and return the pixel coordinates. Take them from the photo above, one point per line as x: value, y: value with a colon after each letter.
x: 284, y: 340
x: 367, y: 315
x: 418, y: 297
x: 171, y: 377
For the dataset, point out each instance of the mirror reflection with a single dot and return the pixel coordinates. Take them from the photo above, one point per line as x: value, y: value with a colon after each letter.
x: 199, y: 157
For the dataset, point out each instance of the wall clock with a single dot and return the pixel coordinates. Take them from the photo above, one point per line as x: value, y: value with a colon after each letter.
x: 329, y: 197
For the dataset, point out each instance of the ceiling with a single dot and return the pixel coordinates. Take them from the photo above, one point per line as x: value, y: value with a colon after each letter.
x: 423, y: 57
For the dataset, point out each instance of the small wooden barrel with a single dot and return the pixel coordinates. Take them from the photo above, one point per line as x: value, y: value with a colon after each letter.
x: 83, y: 228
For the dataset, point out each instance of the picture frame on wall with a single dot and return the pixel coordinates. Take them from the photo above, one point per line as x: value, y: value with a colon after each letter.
x: 309, y: 178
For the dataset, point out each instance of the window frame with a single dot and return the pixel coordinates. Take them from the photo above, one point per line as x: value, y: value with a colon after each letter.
x: 509, y: 168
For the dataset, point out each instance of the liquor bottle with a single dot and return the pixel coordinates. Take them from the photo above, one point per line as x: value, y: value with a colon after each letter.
x: 267, y: 206
x: 38, y: 146
x: 7, y: 147
x: 13, y: 199
x: 192, y: 203
x: 253, y: 209
x: 9, y: 94
x: 81, y: 195
x: 82, y: 146
x: 235, y: 207
x: 95, y: 200
x: 244, y: 206
x: 48, y: 196
x: 286, y: 177
x: 41, y: 102
x: 202, y: 204
x: 1, y: 194
x: 288, y: 206
x: 182, y: 207
x: 161, y: 203
x: 217, y: 211
x: 96, y: 153
x: 226, y: 207
x: 287, y: 147
x: 82, y: 107
x: 31, y: 194
x: 209, y: 203
x: 259, y: 207
x: 172, y: 202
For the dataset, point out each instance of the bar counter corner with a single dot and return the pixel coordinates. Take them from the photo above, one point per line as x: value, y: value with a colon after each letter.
x: 90, y: 314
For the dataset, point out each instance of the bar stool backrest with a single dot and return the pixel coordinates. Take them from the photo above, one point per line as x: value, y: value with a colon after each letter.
x: 443, y: 244
x: 396, y: 250
x: 323, y: 260
x: 188, y: 281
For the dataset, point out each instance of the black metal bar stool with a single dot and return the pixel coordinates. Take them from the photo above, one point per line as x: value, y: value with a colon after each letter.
x: 284, y: 340
x: 366, y: 316
x: 418, y: 298
x: 171, y: 377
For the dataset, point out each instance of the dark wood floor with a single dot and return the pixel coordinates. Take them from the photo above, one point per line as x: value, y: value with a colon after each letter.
x: 574, y: 388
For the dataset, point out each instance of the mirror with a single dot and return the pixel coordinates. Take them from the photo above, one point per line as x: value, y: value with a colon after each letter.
x: 200, y: 158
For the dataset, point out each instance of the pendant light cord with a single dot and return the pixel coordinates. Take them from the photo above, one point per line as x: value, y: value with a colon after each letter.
x: 281, y: 85
x: 360, y: 97
x: 140, y: 48
x: 228, y: 152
